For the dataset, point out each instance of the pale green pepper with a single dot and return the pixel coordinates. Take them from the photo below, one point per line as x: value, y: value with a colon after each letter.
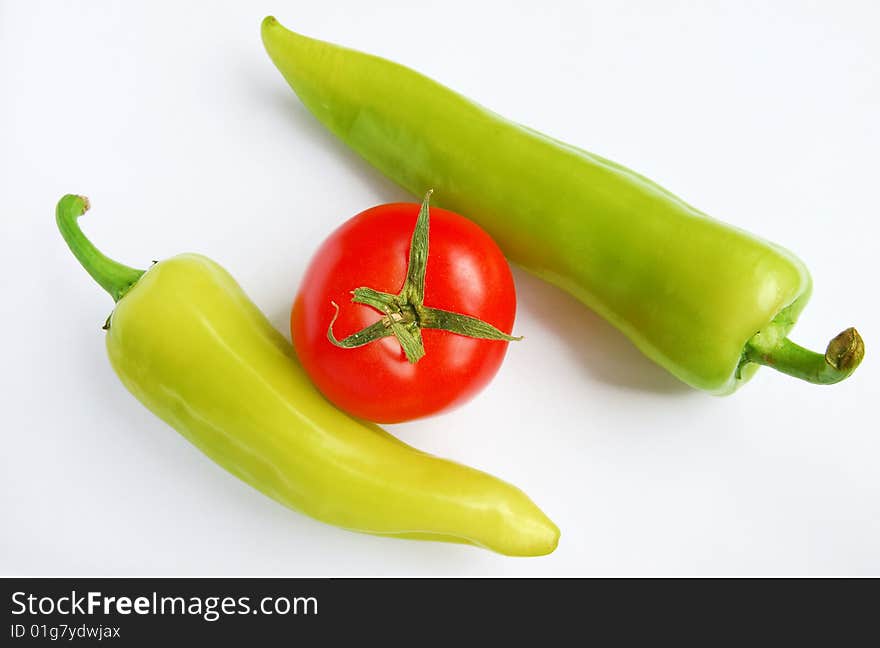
x: 189, y: 344
x: 706, y: 301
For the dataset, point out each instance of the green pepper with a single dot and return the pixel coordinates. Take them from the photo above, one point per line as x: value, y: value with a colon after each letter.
x: 189, y: 344
x: 706, y: 301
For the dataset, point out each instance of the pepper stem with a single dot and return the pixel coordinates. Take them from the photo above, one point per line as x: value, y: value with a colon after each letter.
x: 111, y: 275
x: 405, y: 314
x: 843, y: 355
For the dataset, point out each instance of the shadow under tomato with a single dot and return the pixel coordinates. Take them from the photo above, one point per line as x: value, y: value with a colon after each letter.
x: 603, y: 350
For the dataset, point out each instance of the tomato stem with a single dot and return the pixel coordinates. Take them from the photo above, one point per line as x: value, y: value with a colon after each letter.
x: 413, y: 291
x: 405, y: 314
x: 382, y: 302
x: 369, y: 334
x: 434, y: 318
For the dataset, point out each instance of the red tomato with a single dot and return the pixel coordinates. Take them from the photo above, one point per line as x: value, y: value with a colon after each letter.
x: 466, y: 273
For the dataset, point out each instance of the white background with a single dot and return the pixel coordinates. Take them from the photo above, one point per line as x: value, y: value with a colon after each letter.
x: 171, y: 118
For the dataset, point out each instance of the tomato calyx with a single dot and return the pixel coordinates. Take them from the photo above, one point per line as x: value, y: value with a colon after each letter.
x: 405, y: 314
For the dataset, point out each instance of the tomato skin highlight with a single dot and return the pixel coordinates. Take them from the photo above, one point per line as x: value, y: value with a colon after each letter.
x: 466, y: 273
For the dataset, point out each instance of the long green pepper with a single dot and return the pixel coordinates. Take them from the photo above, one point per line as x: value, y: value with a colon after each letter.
x: 705, y: 300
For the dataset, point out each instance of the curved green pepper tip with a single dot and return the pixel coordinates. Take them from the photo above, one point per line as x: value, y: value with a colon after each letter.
x: 842, y: 356
x: 72, y: 204
x: 268, y: 23
x: 112, y: 276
